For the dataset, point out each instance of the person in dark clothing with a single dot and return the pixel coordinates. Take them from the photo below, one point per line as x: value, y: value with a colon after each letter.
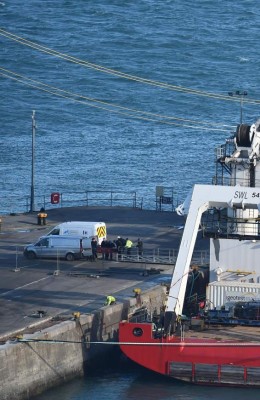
x: 94, y: 248
x: 103, y: 248
x: 123, y: 243
x: 110, y: 246
x: 140, y: 247
x: 120, y: 245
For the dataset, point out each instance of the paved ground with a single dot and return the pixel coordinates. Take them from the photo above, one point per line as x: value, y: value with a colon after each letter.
x: 27, y: 286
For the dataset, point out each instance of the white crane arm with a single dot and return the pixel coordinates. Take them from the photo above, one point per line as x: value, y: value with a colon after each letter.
x: 183, y: 208
x: 203, y: 197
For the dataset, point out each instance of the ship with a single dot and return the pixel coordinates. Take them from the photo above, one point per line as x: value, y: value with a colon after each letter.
x: 218, y: 342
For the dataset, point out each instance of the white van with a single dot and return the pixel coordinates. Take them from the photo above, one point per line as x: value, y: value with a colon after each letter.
x: 63, y: 246
x: 81, y: 228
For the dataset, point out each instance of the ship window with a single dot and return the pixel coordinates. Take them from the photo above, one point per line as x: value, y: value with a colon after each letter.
x: 137, y: 332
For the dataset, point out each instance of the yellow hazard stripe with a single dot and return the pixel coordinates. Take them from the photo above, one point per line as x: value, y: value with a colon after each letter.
x: 101, y: 231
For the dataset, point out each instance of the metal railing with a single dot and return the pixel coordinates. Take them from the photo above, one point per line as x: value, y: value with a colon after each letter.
x: 149, y: 256
x: 229, y: 181
x: 17, y: 204
x: 162, y: 256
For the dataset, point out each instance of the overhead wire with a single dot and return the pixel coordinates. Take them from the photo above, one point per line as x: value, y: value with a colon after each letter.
x: 133, y: 113
x: 119, y: 74
x: 110, y: 71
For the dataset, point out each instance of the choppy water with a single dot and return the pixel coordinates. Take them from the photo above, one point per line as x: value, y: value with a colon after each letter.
x: 84, y: 144
x: 204, y: 46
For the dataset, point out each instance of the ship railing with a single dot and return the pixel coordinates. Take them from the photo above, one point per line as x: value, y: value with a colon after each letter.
x: 217, y: 225
x: 229, y: 181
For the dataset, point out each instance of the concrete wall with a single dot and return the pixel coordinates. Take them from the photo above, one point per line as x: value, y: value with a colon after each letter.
x: 27, y: 369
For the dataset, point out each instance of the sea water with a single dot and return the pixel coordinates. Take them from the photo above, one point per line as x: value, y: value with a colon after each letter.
x: 137, y: 108
x: 127, y: 381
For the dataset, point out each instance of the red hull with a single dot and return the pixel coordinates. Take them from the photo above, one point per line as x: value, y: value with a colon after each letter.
x: 201, y: 361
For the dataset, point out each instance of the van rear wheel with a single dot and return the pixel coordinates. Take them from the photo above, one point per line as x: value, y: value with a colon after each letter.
x: 70, y: 257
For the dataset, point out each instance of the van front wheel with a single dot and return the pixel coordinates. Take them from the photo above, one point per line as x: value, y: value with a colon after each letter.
x: 70, y: 257
x: 31, y: 255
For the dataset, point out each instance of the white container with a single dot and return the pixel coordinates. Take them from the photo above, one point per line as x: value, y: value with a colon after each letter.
x: 220, y: 293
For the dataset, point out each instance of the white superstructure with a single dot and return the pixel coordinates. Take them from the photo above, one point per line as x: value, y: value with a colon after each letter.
x: 234, y: 212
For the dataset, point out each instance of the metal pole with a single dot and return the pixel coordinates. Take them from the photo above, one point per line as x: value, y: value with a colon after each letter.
x: 241, y: 110
x: 241, y: 95
x: 241, y: 105
x: 32, y: 208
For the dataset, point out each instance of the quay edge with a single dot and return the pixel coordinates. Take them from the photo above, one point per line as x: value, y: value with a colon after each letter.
x: 30, y: 368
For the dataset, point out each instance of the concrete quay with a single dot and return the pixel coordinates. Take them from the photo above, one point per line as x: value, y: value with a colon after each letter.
x: 27, y: 286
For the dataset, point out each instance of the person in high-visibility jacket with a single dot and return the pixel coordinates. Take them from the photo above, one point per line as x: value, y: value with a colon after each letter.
x: 110, y: 300
x: 128, y: 246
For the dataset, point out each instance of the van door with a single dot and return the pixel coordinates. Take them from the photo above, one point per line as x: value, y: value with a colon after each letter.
x: 57, y: 247
x: 86, y: 247
x: 100, y: 232
x: 42, y: 247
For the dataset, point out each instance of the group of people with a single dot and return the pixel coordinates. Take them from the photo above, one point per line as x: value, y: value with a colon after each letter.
x: 126, y: 245
x: 120, y: 246
x: 107, y: 249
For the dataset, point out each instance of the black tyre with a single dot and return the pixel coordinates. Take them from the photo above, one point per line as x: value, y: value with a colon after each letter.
x: 242, y: 135
x: 31, y: 255
x: 70, y: 257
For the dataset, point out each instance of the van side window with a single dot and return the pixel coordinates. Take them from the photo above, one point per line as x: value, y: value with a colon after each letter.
x: 44, y: 242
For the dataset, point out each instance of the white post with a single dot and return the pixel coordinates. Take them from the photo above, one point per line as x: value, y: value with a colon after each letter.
x: 32, y: 208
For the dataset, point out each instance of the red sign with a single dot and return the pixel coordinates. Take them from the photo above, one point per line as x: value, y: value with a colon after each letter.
x: 55, y: 198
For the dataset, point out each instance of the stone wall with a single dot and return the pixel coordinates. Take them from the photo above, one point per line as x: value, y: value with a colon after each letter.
x: 30, y: 368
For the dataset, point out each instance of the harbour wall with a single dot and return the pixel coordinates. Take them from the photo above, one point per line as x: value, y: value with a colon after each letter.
x: 30, y: 368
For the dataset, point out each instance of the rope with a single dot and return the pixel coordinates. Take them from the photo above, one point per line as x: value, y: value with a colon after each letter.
x: 174, y: 344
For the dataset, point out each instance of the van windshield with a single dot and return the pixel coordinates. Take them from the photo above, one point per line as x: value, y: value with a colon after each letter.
x: 55, y: 231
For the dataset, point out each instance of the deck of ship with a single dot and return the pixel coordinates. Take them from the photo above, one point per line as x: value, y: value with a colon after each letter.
x: 227, y: 332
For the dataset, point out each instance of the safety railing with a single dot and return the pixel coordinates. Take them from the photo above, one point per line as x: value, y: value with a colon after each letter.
x: 161, y: 256
x: 157, y: 256
x: 230, y: 181
x: 16, y: 204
